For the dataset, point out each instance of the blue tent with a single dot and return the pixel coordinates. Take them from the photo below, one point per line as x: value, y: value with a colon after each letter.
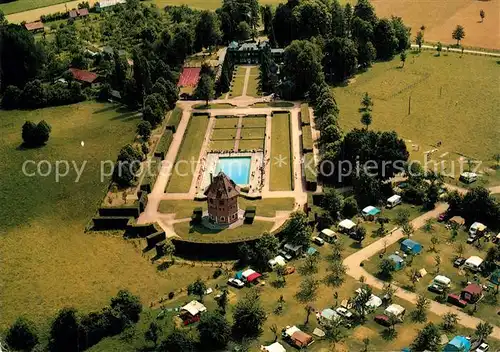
x: 495, y: 277
x: 311, y: 251
x: 239, y: 275
x: 411, y: 247
x: 398, y: 262
x: 458, y: 344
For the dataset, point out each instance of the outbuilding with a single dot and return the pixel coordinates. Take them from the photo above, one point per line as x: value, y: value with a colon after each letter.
x: 370, y: 212
x: 472, y: 293
x: 346, y: 226
x: 458, y: 344
x: 328, y: 235
x: 473, y: 263
x: 411, y: 247
x: 397, y: 261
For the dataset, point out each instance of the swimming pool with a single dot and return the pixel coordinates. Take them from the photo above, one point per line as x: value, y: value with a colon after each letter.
x: 237, y: 168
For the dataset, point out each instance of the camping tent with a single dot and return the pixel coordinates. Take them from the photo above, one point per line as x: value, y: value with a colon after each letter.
x: 374, y: 301
x: 312, y: 251
x: 458, y: 344
x: 193, y: 308
x: 277, y: 261
x: 474, y: 262
x: 396, y: 310
x: 328, y: 315
x: 328, y: 235
x: 275, y: 347
x: 346, y: 225
x: 250, y: 275
x: 370, y: 212
x: 411, y: 247
x: 495, y: 277
x: 472, y: 293
x: 398, y: 262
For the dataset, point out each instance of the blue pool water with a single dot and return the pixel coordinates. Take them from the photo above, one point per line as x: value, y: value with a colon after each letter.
x: 237, y: 168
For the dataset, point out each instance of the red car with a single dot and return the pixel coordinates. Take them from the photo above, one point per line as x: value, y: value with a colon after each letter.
x: 443, y: 217
x: 456, y: 300
x: 382, y: 320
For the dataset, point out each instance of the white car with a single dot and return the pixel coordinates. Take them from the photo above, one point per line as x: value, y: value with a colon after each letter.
x: 483, y: 347
x: 318, y: 240
x: 235, y: 282
x: 344, y: 312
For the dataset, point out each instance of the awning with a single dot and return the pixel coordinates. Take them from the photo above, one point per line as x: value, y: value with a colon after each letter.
x: 253, y: 277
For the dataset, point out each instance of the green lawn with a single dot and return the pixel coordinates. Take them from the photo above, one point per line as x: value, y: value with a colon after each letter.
x: 307, y: 141
x: 254, y: 122
x: 304, y: 113
x: 281, y: 171
x: 274, y: 104
x: 223, y: 134
x: 222, y: 145
x: 253, y: 83
x: 447, y: 252
x: 199, y: 233
x: 253, y: 133
x: 310, y: 167
x: 454, y: 100
x: 226, y: 122
x: 238, y: 82
x: 46, y: 256
x: 175, y: 117
x: 251, y: 144
x: 189, y: 152
x: 24, y: 5
x: 181, y: 208
x: 213, y: 106
x: 267, y: 206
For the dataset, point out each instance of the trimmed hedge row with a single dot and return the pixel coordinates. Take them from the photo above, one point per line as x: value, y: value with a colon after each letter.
x: 307, y: 141
x: 304, y: 114
x: 164, y: 144
x: 174, y: 119
x: 139, y: 230
x: 155, y: 238
x: 103, y: 223
x: 121, y: 211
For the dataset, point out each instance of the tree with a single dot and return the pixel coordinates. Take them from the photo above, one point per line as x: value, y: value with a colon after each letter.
x: 402, y: 217
x: 144, y: 129
x: 338, y: 19
x: 198, y: 288
x: 419, y: 40
x: 333, y: 202
x: 266, y: 13
x: 366, y: 343
x: 265, y: 249
x: 408, y: 229
x: 243, y: 31
x: 402, y: 57
x: 11, y: 98
x: 359, y: 235
x: 310, y: 265
x: 309, y: 309
x: 350, y: 207
x: 334, y: 333
x: 178, y: 341
x: 437, y: 259
x: 427, y: 339
x: 359, y: 302
x: 154, y: 109
x: 205, y: 89
x: 390, y: 332
x: 413, y: 276
x: 128, y: 305
x: 366, y: 53
x: 341, y: 59
x: 420, y: 312
x: 386, y: 268
x: 382, y: 221
x: 434, y: 242
x: 214, y: 331
x: 274, y: 330
x: 388, y: 293
x: 298, y: 231
x: 222, y: 301
x: 169, y: 249
x: 248, y: 315
x: 308, y: 289
x: 142, y: 76
x: 458, y: 34
x: 384, y: 39
x: 207, y: 31
x: 450, y: 321
x: 337, y: 248
x: 22, y: 335
x: 479, y: 205
x: 35, y: 135
x: 64, y: 331
x: 336, y: 274
x: 366, y: 110
x: 483, y: 330
x: 439, y: 48
x: 304, y: 12
x: 153, y: 333
x: 365, y: 11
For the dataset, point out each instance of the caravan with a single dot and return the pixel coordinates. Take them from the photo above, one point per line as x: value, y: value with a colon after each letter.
x: 393, y: 201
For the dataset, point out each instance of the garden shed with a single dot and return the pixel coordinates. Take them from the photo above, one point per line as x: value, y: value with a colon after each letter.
x: 411, y: 247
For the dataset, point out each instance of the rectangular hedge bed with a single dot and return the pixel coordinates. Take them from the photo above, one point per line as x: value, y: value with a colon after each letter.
x: 251, y: 144
x: 307, y: 141
x: 304, y: 114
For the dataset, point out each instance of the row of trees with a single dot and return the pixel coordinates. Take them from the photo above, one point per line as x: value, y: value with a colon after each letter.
x: 72, y: 331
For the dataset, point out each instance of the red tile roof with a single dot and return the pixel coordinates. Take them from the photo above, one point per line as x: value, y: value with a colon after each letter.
x: 83, y: 75
x: 82, y: 12
x: 222, y: 187
x: 189, y: 77
x: 33, y: 26
x: 473, y: 289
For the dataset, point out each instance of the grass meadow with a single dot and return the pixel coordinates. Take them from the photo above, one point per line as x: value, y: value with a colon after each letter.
x: 454, y: 99
x: 238, y: 82
x: 182, y: 175
x: 253, y: 83
x: 281, y: 178
x: 200, y: 233
x: 48, y: 262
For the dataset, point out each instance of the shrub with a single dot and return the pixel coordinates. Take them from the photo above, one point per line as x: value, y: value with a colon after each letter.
x: 11, y: 98
x: 171, y: 295
x: 217, y: 273
x: 144, y: 129
x: 22, y: 335
x: 35, y: 135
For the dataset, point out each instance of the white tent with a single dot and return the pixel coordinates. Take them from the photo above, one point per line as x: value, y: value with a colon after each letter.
x: 194, y: 308
x: 346, y: 224
x: 374, y: 301
x: 277, y: 261
x: 395, y: 309
x: 442, y: 280
x: 290, y: 330
x: 275, y: 347
x: 247, y: 273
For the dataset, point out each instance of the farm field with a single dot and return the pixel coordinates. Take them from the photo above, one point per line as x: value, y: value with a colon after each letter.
x: 180, y: 180
x: 447, y: 251
x: 444, y: 103
x: 46, y: 255
x: 281, y: 173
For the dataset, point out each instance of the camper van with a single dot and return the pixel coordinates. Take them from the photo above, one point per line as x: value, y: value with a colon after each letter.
x: 468, y: 177
x: 393, y: 201
x: 476, y: 230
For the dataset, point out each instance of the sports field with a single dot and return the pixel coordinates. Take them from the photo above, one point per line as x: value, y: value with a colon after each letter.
x: 454, y: 100
x: 46, y: 256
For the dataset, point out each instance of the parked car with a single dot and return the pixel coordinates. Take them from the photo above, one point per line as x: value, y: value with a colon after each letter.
x: 318, y: 240
x: 344, y: 312
x: 443, y: 217
x: 285, y: 254
x: 435, y: 288
x: 483, y: 347
x: 456, y: 300
x: 459, y: 262
x: 382, y: 320
x: 235, y: 282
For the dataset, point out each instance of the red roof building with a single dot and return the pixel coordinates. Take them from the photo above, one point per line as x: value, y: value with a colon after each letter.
x: 472, y: 293
x: 34, y: 26
x: 82, y: 12
x: 83, y: 75
x: 222, y: 197
x: 253, y: 277
x: 73, y: 14
x: 189, y: 77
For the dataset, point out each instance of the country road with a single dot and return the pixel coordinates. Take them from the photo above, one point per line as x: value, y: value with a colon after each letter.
x: 356, y: 271
x: 455, y: 50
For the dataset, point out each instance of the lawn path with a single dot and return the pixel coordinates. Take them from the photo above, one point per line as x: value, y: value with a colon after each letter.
x: 455, y: 50
x: 356, y: 271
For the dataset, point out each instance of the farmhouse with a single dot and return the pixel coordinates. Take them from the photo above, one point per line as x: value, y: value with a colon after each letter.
x: 85, y: 77
x: 78, y: 13
x: 472, y: 293
x: 34, y: 26
x: 222, y: 198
